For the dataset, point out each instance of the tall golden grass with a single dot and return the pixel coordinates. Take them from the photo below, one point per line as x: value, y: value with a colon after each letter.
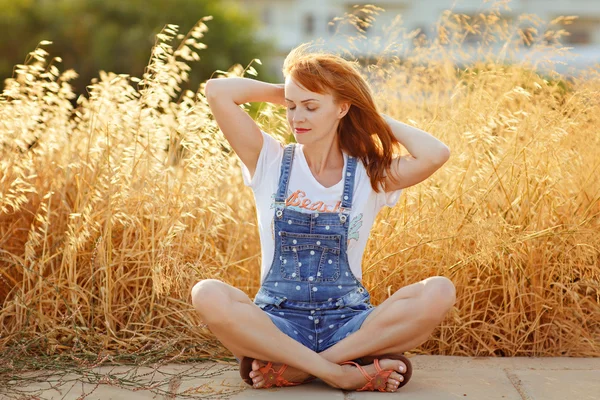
x: 111, y: 211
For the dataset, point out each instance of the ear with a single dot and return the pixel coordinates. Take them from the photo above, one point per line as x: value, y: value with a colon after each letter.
x: 344, y: 108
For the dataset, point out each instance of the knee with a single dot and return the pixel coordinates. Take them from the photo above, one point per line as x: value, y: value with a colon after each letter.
x: 440, y: 295
x: 207, y: 295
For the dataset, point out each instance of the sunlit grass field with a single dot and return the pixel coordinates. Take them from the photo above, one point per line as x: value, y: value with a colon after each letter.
x: 111, y: 211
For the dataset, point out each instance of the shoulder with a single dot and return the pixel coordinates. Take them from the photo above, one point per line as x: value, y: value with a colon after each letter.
x: 381, y: 197
x: 272, y: 149
x: 269, y: 159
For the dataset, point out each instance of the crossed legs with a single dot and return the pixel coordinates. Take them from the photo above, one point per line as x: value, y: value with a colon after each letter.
x: 402, y: 322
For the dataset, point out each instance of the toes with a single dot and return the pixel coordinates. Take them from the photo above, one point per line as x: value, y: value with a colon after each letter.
x: 253, y: 374
x: 402, y: 368
x: 391, y: 386
x: 396, y: 376
x: 258, y: 381
x: 392, y: 383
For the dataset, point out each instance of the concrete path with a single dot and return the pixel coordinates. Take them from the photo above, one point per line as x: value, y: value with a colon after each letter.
x: 434, y: 378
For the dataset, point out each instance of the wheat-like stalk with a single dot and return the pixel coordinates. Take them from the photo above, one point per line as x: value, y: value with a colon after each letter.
x: 111, y: 211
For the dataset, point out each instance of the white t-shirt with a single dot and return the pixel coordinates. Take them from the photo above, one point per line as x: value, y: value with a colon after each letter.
x: 306, y: 194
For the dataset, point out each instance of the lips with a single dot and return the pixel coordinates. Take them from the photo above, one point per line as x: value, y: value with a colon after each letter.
x: 300, y: 130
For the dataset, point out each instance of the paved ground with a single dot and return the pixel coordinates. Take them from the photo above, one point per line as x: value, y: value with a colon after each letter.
x: 434, y: 378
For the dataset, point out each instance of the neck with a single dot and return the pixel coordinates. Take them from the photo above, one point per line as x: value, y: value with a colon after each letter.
x: 324, y: 155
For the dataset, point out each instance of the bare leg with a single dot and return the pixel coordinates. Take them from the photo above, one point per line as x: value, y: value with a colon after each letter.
x: 247, y: 331
x: 400, y: 323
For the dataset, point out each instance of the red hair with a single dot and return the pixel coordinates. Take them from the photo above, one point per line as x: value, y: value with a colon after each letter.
x: 362, y: 132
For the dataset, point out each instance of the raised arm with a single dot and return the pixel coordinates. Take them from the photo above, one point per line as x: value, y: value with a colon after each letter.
x: 427, y: 155
x: 224, y: 96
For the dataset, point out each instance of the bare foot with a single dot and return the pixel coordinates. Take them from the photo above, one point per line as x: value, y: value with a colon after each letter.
x: 291, y: 374
x: 353, y: 379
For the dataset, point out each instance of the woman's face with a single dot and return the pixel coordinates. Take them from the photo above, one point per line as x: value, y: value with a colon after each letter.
x: 312, y: 111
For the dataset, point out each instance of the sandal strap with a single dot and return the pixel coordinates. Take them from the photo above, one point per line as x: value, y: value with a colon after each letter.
x: 369, y: 386
x: 279, y: 380
x: 283, y: 382
x: 377, y: 367
x: 282, y: 369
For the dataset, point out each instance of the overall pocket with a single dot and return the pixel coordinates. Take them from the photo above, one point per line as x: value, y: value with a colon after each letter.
x: 310, y: 257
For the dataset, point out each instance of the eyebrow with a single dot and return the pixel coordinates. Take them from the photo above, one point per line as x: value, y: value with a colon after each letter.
x: 304, y: 101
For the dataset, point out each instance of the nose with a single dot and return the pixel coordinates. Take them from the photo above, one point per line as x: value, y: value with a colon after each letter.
x: 297, y: 116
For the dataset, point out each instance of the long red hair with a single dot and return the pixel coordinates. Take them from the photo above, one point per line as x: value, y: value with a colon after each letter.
x: 362, y: 132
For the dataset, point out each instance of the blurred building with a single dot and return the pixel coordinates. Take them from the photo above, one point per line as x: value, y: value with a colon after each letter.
x: 291, y: 22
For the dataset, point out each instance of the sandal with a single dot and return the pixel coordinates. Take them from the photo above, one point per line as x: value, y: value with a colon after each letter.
x: 407, y: 374
x: 375, y: 382
x: 272, y: 377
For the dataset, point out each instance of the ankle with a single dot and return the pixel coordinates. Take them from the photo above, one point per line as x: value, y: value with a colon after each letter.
x: 336, y: 376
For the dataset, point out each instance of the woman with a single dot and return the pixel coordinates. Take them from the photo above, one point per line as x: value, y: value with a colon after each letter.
x: 316, y: 202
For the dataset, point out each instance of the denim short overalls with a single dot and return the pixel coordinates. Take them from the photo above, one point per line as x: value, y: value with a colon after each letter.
x: 310, y: 293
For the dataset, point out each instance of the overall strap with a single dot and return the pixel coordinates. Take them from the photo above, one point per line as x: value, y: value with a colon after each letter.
x: 284, y: 175
x: 349, y: 174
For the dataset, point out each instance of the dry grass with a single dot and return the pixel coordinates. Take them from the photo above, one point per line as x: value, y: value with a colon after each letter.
x: 110, y: 212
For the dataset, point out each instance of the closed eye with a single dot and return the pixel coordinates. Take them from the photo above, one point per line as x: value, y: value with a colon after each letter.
x: 309, y: 109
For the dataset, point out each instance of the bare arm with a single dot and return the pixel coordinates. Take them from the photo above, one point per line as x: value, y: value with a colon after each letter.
x: 427, y: 155
x: 243, y: 134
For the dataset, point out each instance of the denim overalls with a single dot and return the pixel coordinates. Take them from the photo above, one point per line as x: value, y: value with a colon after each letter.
x: 310, y: 293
